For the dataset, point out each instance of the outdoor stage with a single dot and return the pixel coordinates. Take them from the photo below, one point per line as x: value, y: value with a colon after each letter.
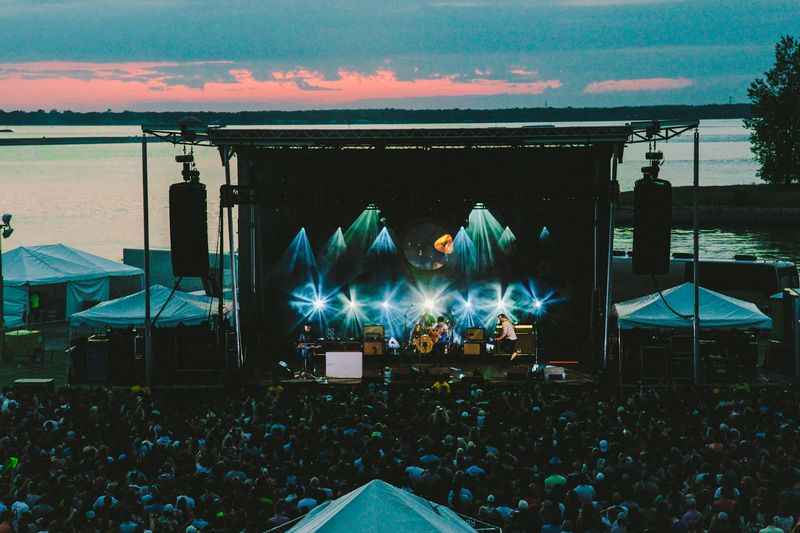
x: 415, y: 229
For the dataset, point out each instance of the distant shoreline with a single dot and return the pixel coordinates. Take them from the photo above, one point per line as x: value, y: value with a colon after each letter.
x: 355, y: 117
x: 757, y: 205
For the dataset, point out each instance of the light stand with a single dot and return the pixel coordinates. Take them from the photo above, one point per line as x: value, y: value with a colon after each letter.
x: 7, y: 230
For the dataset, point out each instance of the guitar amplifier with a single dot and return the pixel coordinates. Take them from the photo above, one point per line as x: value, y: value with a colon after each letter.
x: 475, y: 334
x: 373, y: 347
x: 473, y: 348
x: 374, y: 332
x: 526, y: 338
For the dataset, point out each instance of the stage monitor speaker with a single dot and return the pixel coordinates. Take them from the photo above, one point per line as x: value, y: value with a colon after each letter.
x: 188, y: 229
x: 473, y: 348
x: 373, y: 347
x: 652, y: 226
x: 373, y: 332
x: 475, y: 334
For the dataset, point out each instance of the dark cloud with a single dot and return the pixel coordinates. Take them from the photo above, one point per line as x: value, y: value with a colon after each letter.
x: 576, y: 41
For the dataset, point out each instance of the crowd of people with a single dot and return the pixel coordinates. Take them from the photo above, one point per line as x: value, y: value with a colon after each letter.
x: 535, y: 458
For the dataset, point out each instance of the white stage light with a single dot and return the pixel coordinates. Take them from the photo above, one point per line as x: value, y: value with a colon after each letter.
x: 537, y: 304
x: 319, y: 304
x: 429, y: 304
x: 385, y: 305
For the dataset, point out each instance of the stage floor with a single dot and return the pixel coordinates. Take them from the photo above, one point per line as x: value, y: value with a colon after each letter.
x: 427, y: 369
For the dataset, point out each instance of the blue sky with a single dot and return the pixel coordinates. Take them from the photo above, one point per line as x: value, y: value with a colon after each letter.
x: 289, y: 54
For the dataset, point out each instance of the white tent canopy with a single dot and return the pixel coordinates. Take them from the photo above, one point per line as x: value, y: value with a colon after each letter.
x: 86, y: 276
x: 128, y: 312
x: 717, y: 311
x: 379, y: 506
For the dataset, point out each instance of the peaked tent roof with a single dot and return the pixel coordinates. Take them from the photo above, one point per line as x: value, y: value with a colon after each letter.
x: 128, y: 311
x: 58, y: 263
x: 379, y: 506
x: 717, y: 311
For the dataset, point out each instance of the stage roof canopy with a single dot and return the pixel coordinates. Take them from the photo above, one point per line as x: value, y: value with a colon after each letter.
x: 421, y: 137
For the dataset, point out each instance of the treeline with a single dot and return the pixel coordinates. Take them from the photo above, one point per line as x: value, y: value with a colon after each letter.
x: 376, y: 116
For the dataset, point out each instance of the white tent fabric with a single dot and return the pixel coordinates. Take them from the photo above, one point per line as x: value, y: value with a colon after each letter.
x: 86, y: 276
x: 92, y: 290
x: 15, y: 303
x: 717, y: 311
x: 128, y: 311
x: 379, y: 506
x: 58, y: 263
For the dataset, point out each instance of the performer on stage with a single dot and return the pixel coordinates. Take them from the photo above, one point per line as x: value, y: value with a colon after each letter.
x: 508, y: 336
x: 441, y: 331
x: 304, y: 341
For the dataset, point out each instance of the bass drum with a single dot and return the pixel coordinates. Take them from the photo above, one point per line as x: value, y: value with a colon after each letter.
x: 424, y: 344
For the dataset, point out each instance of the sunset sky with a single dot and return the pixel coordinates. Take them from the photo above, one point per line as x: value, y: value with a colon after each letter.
x: 294, y: 54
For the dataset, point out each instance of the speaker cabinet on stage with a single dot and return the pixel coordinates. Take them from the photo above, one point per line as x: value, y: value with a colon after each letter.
x: 188, y: 229
x: 652, y: 226
x: 475, y: 334
x: 373, y: 332
x: 98, y: 354
x: 526, y: 338
x: 473, y: 348
x: 373, y: 347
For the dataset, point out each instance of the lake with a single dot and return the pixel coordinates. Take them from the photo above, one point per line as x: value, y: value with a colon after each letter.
x: 90, y: 196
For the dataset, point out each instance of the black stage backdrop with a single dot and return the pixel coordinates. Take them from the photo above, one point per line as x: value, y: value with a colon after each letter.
x: 563, y: 189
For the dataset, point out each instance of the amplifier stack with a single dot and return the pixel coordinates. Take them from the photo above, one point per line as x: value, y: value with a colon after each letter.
x: 474, y: 341
x: 373, y: 339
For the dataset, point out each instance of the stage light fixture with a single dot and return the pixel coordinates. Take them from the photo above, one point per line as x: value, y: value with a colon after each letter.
x: 319, y: 304
x: 385, y: 305
x: 537, y: 304
x: 468, y: 305
x: 352, y: 304
x: 428, y: 304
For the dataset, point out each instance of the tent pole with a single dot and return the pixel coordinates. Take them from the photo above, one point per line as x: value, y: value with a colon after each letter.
x: 148, y: 341
x: 696, y: 263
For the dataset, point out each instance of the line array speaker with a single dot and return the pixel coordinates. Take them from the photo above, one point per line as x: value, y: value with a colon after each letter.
x: 188, y: 229
x: 652, y: 226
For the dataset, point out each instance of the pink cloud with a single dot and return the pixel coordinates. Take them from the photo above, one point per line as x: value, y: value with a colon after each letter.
x: 641, y: 84
x: 52, y: 84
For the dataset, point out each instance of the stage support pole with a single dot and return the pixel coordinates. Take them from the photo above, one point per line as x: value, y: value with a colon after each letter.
x: 594, y: 314
x: 226, y: 157
x: 612, y: 199
x: 221, y: 301
x: 148, y: 333
x: 698, y: 377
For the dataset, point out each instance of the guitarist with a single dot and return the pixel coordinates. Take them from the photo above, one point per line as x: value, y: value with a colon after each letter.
x: 440, y: 334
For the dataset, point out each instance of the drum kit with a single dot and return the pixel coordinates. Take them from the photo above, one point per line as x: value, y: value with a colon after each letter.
x: 425, y: 337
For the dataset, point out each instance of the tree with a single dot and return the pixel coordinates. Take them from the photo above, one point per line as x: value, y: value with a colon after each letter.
x: 775, y: 126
